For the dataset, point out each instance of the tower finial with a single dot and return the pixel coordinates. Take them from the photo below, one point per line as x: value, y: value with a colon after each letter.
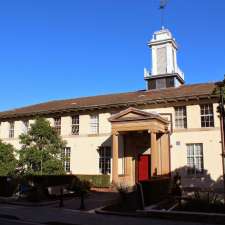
x: 162, y: 7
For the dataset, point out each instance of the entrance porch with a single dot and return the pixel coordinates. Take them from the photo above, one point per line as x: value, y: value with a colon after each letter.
x: 144, y: 139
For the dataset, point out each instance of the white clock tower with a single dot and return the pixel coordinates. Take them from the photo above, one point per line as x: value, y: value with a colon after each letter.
x: 165, y: 71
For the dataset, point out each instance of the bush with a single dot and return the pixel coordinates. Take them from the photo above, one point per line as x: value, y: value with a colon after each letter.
x: 36, y: 185
x: 155, y: 190
x: 98, y: 181
x: 81, y: 188
x: 8, y: 186
x: 49, y: 180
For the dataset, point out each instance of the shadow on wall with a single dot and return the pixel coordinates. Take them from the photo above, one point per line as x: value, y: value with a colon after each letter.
x: 190, y: 178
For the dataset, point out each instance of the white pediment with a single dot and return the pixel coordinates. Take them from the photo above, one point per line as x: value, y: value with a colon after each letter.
x: 133, y: 114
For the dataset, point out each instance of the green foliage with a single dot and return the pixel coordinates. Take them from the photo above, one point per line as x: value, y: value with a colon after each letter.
x: 220, y: 85
x: 8, y: 185
x: 7, y: 159
x: 156, y: 189
x: 99, y: 181
x: 41, y: 149
x: 81, y: 187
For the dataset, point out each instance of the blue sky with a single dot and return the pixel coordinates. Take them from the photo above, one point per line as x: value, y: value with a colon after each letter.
x: 56, y: 49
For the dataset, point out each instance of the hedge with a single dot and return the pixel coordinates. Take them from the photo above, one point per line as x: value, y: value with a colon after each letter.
x: 9, y: 185
x: 48, y: 180
x: 98, y: 181
x: 155, y: 189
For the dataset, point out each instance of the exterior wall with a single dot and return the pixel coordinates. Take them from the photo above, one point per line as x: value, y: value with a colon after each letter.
x: 211, y: 154
x: 84, y: 147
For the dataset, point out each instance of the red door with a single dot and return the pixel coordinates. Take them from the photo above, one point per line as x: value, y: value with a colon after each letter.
x: 143, y: 167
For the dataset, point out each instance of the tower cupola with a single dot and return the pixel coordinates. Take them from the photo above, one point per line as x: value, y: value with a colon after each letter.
x: 165, y: 71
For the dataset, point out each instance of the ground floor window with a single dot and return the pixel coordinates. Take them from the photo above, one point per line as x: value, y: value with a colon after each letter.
x: 105, y: 160
x: 195, y: 158
x: 66, y: 158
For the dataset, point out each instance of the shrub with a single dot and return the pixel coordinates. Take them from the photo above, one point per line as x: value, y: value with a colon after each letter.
x: 8, y: 186
x: 155, y: 190
x: 81, y: 188
x: 98, y: 181
x: 49, y: 180
x: 36, y: 185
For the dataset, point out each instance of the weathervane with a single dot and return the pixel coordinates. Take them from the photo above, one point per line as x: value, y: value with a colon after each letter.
x: 162, y: 6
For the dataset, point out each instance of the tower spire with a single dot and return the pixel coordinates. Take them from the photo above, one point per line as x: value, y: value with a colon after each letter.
x: 162, y: 7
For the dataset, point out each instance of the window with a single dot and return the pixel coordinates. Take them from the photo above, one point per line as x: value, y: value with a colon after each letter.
x: 180, y: 117
x: 25, y: 126
x: 160, y: 83
x: 11, y: 129
x: 94, y: 124
x: 66, y: 158
x: 57, y: 125
x: 105, y: 160
x: 75, y: 125
x: 195, y: 158
x: 207, y: 119
x: 170, y: 82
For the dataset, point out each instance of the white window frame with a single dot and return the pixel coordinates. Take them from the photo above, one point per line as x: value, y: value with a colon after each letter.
x: 66, y: 156
x: 94, y: 124
x: 195, y: 158
x: 180, y: 117
x: 25, y: 126
x: 105, y: 159
x: 11, y: 129
x: 207, y: 115
x: 75, y: 130
x: 57, y: 125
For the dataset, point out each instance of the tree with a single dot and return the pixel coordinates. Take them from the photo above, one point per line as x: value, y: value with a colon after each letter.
x: 220, y: 91
x: 41, y: 150
x: 8, y: 161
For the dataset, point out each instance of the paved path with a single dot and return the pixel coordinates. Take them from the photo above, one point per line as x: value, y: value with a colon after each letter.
x: 53, y: 214
x: 95, y: 200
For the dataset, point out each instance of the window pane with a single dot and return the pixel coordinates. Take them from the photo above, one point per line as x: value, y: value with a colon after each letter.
x: 105, y: 160
x: 66, y: 158
x: 180, y: 117
x: 57, y: 125
x: 207, y: 118
x: 75, y: 125
x: 94, y: 124
x: 195, y: 158
x: 11, y: 129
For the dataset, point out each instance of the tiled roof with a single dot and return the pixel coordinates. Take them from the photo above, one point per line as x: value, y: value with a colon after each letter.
x: 105, y: 101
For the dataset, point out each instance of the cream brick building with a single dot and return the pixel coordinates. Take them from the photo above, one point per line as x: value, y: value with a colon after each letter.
x: 137, y: 135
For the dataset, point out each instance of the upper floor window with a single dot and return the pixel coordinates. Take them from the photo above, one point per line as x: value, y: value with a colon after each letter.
x: 75, y: 124
x: 25, y: 126
x: 105, y: 160
x: 11, y: 129
x: 195, y: 158
x: 180, y: 117
x: 57, y: 125
x: 66, y: 152
x: 207, y: 119
x: 94, y: 124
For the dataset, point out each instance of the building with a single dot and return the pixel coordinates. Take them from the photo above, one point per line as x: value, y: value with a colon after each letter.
x: 134, y: 136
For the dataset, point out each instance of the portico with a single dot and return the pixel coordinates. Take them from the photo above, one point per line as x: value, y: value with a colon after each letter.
x: 145, y: 145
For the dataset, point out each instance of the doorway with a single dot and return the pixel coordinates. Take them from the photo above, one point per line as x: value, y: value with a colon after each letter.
x: 144, y: 165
